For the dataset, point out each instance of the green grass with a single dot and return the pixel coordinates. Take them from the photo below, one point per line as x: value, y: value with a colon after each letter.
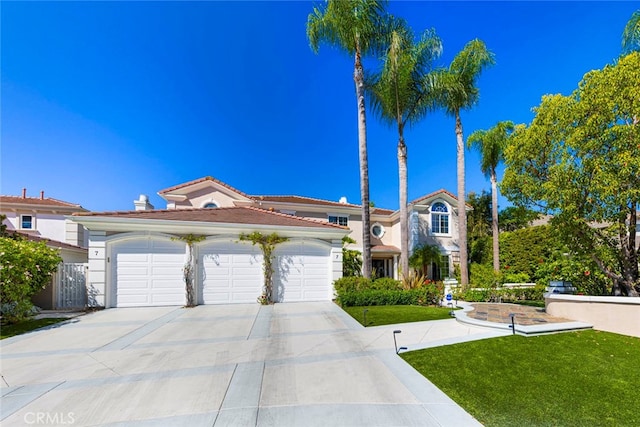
x: 391, y: 314
x: 7, y: 331
x: 585, y: 378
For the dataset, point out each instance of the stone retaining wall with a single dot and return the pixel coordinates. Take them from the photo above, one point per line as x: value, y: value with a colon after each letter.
x: 620, y: 315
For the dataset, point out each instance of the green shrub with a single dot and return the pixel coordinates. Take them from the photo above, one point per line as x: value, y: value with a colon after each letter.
x: 25, y: 268
x: 515, y: 277
x: 483, y: 276
x: 351, y: 284
x: 382, y: 297
x: 385, y: 284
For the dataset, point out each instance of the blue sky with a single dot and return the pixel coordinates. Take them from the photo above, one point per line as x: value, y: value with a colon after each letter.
x: 104, y: 101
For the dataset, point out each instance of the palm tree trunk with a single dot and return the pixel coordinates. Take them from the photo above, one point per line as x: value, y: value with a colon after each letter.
x: 404, y: 220
x: 494, y: 221
x: 462, y: 213
x: 358, y: 77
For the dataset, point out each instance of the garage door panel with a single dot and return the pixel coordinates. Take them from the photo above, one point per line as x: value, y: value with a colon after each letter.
x: 303, y: 272
x: 230, y: 273
x: 148, y: 272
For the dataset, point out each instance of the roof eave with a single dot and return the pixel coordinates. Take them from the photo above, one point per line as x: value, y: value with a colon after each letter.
x: 202, y: 227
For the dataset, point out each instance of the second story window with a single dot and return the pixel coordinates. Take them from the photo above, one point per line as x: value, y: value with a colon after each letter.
x: 439, y: 218
x: 26, y: 222
x: 338, y: 219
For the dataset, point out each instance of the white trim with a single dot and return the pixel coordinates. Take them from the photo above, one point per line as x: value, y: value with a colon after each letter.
x: 33, y: 221
x: 382, y: 230
x: 211, y: 200
x: 174, y: 227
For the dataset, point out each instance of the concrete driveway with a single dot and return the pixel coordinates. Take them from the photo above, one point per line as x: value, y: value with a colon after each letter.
x: 229, y: 365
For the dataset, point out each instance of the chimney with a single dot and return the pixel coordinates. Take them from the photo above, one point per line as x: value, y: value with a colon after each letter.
x: 142, y: 204
x: 24, y: 193
x: 343, y: 200
x: 41, y: 194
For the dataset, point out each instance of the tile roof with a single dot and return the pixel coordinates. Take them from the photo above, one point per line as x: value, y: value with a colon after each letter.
x: 199, y: 180
x: 385, y: 248
x: 48, y: 242
x: 435, y: 193
x: 36, y: 201
x: 231, y: 215
x: 303, y: 200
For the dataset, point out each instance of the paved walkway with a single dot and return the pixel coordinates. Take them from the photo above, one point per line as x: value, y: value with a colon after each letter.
x: 501, y: 313
x: 230, y: 365
x: 527, y: 320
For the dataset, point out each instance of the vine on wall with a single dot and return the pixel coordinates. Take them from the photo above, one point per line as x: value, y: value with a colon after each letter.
x: 190, y: 267
x: 267, y: 245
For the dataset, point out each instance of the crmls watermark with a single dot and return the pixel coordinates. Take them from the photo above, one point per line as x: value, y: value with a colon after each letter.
x: 49, y: 418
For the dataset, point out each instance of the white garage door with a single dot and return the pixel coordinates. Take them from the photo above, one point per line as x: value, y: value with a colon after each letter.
x: 303, y: 273
x: 148, y: 272
x: 230, y: 272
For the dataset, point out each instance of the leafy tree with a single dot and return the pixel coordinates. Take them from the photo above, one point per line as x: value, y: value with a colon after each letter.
x: 26, y: 267
x: 515, y: 217
x: 3, y: 226
x: 458, y: 91
x: 526, y: 250
x: 358, y: 27
x: 490, y: 144
x: 423, y: 256
x: 351, y: 259
x: 631, y: 34
x: 579, y: 160
x: 479, y: 227
x: 267, y: 246
x: 401, y: 97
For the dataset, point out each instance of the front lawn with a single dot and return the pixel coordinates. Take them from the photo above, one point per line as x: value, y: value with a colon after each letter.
x: 586, y: 378
x: 7, y: 331
x: 391, y: 314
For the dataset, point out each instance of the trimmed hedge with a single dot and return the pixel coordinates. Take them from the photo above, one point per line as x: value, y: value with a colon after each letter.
x: 503, y: 294
x: 358, y: 291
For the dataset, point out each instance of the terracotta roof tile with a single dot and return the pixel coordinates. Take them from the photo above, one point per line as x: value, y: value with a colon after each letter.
x: 435, y: 193
x: 231, y: 215
x: 303, y: 200
x: 48, y: 242
x: 36, y: 201
x: 199, y: 180
x: 385, y: 248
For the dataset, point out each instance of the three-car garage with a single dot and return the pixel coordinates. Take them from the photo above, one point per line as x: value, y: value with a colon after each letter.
x: 148, y: 271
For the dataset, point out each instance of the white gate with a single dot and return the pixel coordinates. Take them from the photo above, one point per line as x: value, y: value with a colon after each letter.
x: 71, y: 285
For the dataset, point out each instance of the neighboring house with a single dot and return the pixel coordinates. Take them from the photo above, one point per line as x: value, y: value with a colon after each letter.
x: 44, y: 219
x: 136, y: 259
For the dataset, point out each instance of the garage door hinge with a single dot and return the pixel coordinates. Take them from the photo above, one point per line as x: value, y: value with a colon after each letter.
x: 108, y: 259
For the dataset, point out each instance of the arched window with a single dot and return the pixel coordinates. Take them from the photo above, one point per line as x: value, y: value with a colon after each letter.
x: 210, y: 205
x: 439, y: 218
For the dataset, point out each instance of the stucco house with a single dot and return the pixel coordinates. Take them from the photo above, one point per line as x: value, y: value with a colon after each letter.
x: 136, y: 257
x: 45, y: 219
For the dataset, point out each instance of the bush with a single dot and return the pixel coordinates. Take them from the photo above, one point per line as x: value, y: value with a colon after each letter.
x: 25, y: 268
x: 382, y: 297
x: 483, y: 276
x: 385, y: 284
x: 351, y: 284
x: 358, y: 291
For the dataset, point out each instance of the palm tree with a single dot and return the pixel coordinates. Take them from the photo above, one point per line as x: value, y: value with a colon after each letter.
x: 491, y: 145
x: 425, y: 255
x: 458, y: 91
x: 356, y: 27
x: 631, y: 34
x: 400, y: 98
